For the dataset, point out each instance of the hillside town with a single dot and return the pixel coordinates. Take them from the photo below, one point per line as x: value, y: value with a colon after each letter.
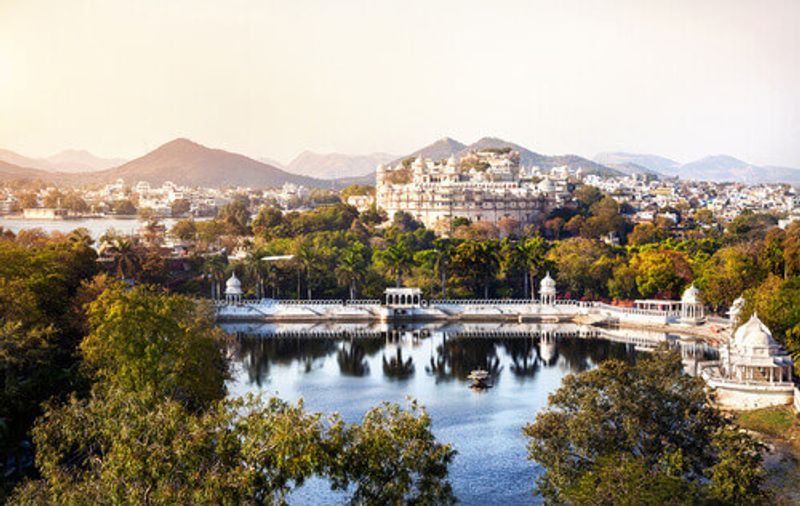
x: 489, y: 186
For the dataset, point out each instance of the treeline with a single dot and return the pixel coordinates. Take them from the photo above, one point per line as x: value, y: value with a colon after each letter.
x: 118, y: 394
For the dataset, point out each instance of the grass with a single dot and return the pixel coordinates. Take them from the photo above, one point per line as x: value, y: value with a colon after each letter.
x: 779, y: 421
x: 779, y: 427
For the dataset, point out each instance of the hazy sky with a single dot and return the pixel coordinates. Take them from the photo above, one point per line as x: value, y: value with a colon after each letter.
x: 678, y: 78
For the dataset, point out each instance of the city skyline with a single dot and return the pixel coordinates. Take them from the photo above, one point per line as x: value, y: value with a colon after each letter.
x: 270, y: 79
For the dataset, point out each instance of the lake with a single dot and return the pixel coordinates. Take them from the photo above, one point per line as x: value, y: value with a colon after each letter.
x: 95, y: 226
x: 350, y: 368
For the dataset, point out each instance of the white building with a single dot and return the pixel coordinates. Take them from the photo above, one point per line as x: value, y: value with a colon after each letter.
x: 753, y: 371
x: 484, y: 186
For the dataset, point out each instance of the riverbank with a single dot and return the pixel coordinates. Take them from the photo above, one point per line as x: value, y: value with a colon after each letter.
x: 779, y: 429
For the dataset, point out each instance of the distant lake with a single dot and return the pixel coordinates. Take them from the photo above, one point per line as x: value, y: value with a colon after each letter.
x: 350, y: 368
x: 95, y: 226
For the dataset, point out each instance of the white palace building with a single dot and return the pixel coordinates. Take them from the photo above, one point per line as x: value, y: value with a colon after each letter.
x: 483, y: 186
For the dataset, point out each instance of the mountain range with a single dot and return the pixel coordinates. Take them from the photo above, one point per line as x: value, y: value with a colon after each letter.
x: 709, y: 168
x: 188, y: 163
x: 336, y: 165
x: 70, y: 160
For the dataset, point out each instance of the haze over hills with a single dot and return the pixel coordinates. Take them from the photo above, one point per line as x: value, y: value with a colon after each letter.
x: 711, y: 168
x: 70, y: 160
x: 187, y: 163
x: 336, y: 165
x: 10, y: 172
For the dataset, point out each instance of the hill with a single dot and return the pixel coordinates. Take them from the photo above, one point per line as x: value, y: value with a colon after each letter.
x: 187, y: 163
x: 336, y: 165
x: 719, y: 168
x: 648, y: 163
x: 80, y: 160
x: 439, y: 150
x: 70, y: 160
x: 11, y: 172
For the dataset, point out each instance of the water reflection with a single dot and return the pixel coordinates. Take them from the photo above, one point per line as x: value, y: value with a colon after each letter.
x: 352, y: 367
x: 454, y: 350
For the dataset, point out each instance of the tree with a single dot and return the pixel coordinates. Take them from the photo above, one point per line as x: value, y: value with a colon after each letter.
x: 645, y: 233
x: 661, y: 274
x: 478, y: 262
x: 126, y: 447
x: 124, y: 207
x: 236, y: 215
x: 185, y: 230
x: 180, y: 207
x: 351, y: 268
x: 126, y: 257
x: 648, y: 422
x: 397, y: 259
x: 141, y: 340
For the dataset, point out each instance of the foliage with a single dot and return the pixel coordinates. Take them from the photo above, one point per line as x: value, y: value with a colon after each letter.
x: 649, y: 423
x: 142, y: 340
x: 125, y: 447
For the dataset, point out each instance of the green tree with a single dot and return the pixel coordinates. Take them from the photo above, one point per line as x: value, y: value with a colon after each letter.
x: 478, y: 262
x: 397, y: 259
x: 351, y: 267
x: 648, y: 422
x: 124, y: 207
x: 180, y: 207
x: 141, y: 340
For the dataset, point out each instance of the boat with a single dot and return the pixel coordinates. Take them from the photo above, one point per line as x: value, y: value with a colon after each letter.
x: 479, y: 378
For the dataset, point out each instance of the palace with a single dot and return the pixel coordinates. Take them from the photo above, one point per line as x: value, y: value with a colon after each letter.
x: 484, y: 186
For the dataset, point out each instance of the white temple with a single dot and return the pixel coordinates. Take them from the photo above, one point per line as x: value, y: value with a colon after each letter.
x: 547, y: 290
x: 233, y: 289
x: 753, y: 371
x: 691, y: 306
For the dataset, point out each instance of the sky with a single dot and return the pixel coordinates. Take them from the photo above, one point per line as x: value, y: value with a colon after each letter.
x: 683, y: 79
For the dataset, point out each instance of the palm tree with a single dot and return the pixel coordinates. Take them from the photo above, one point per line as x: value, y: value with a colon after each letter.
x: 80, y: 236
x: 307, y: 260
x: 479, y: 260
x: 351, y: 267
x: 254, y: 267
x: 126, y: 257
x: 398, y: 259
x: 443, y: 249
x: 534, y: 253
x: 214, y: 269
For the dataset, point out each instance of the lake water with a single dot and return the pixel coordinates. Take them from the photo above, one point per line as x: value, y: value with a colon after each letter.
x: 350, y: 368
x: 95, y: 226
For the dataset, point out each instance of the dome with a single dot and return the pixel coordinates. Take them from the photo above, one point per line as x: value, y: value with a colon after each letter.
x: 547, y: 350
x: 546, y: 185
x: 548, y: 284
x: 753, y: 334
x: 233, y: 286
x: 691, y: 295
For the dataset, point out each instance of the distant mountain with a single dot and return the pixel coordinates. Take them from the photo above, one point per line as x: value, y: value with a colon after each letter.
x: 11, y: 172
x: 634, y: 163
x: 74, y: 160
x: 439, y: 150
x: 717, y: 168
x: 187, y: 163
x: 335, y: 165
x: 271, y: 161
x: 67, y: 161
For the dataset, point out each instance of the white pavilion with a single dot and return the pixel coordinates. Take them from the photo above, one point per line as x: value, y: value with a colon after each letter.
x: 691, y: 306
x: 547, y: 290
x: 753, y: 371
x: 233, y: 290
